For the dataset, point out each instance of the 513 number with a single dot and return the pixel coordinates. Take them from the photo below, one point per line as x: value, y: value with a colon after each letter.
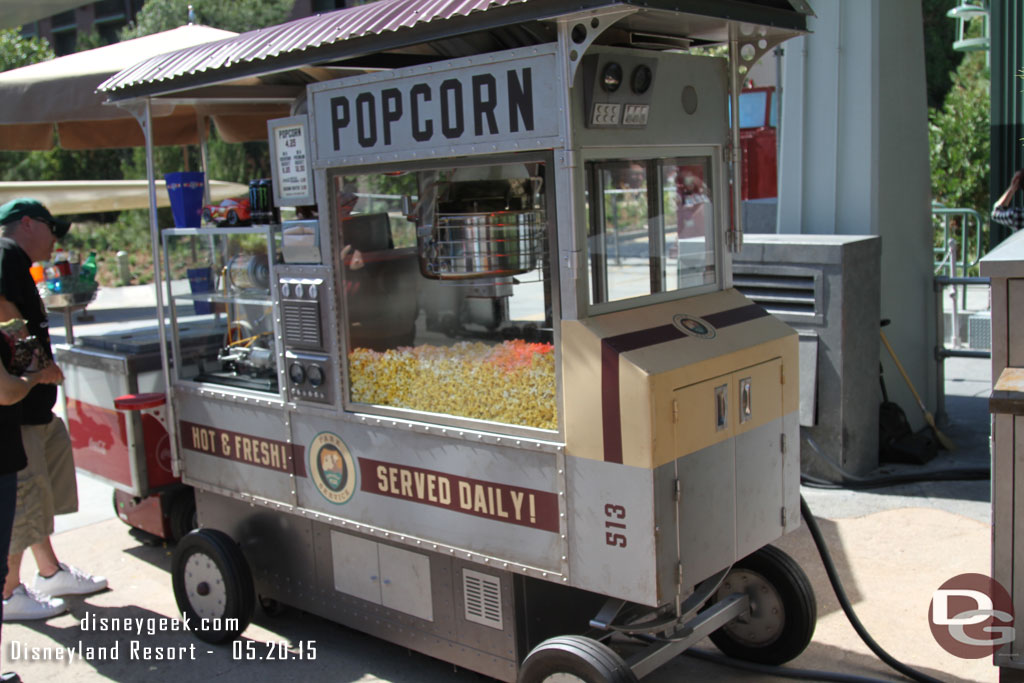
x: 615, y: 518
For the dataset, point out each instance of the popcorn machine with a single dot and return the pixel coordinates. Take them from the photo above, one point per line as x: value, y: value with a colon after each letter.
x: 495, y: 391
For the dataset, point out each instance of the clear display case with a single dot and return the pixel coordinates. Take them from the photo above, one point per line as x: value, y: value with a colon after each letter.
x: 227, y: 292
x: 448, y: 291
x: 651, y: 229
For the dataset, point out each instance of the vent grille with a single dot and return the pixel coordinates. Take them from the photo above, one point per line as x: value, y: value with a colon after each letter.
x: 780, y: 294
x: 302, y: 324
x: 482, y: 595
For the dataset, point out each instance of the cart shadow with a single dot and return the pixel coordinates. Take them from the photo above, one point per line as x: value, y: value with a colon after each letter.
x: 343, y: 654
x: 692, y: 666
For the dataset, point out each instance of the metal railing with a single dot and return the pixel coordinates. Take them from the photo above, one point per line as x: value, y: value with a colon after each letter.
x: 942, y: 352
x: 972, y: 227
x: 954, y: 257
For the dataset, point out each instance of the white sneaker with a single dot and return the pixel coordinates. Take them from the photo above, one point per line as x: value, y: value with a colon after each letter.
x: 69, y: 581
x: 26, y: 604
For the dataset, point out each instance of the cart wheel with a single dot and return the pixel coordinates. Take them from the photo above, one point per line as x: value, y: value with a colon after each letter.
x: 182, y: 515
x: 783, y: 611
x: 212, y: 585
x: 207, y: 216
x: 232, y: 218
x: 574, y: 658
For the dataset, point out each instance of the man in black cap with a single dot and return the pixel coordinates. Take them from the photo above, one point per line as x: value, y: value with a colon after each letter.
x: 47, y: 486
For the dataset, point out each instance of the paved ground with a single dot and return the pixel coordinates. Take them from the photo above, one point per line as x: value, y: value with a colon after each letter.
x: 893, y: 547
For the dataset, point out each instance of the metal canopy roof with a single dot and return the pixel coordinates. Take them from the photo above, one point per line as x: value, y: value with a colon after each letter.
x: 390, y: 33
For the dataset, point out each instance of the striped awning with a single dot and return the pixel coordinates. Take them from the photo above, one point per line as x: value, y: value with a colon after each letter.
x: 389, y: 33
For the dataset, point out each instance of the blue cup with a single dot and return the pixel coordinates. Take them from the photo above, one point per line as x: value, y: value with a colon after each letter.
x: 200, y: 281
x: 185, y: 190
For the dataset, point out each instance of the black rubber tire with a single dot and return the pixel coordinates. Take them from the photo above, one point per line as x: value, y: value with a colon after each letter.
x: 207, y: 216
x: 775, y: 570
x: 182, y: 515
x: 213, y: 585
x: 232, y: 218
x: 586, y: 658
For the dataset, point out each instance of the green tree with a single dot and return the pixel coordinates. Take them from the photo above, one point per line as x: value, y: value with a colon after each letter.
x: 238, y: 16
x: 959, y: 139
x: 940, y: 59
x: 959, y: 149
x: 89, y: 41
x: 232, y: 162
x: 17, y: 51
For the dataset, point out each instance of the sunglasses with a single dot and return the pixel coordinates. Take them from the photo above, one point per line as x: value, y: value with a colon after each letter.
x: 49, y: 225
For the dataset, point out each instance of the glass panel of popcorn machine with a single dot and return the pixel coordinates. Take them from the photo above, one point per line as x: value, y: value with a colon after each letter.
x: 447, y: 289
x: 651, y: 228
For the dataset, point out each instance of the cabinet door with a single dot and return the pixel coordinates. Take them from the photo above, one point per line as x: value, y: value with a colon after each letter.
x: 729, y: 434
x: 405, y: 582
x: 356, y: 567
x: 707, y: 476
x: 759, y: 490
x: 706, y: 414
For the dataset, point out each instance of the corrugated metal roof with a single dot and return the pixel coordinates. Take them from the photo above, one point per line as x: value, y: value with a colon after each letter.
x: 372, y: 19
x: 387, y: 25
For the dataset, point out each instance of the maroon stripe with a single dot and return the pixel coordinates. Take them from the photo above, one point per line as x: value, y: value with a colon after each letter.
x: 613, y: 347
x: 611, y: 415
x: 641, y: 338
x: 735, y: 316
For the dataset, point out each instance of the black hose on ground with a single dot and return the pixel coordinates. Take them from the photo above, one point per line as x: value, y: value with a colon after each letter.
x: 844, y: 601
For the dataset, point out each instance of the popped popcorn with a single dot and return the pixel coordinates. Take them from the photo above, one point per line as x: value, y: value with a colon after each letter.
x: 511, y: 382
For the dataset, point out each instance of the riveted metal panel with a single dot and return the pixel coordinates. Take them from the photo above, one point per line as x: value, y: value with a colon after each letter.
x: 235, y: 446
x: 494, y: 503
x: 475, y: 105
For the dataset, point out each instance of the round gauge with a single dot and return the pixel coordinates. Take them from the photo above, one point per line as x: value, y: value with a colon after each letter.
x: 641, y: 80
x: 316, y: 375
x: 297, y: 373
x: 611, y: 77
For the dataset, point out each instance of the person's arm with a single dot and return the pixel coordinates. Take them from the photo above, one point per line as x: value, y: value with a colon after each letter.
x: 1015, y: 183
x: 13, y: 389
x: 1002, y: 212
x: 8, y: 311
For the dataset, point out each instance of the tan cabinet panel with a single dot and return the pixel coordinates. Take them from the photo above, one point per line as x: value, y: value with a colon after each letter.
x: 705, y: 413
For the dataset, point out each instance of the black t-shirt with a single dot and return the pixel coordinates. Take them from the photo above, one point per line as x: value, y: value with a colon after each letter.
x: 17, y: 286
x: 12, y: 452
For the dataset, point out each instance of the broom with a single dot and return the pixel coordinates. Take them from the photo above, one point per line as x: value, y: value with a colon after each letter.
x: 946, y: 442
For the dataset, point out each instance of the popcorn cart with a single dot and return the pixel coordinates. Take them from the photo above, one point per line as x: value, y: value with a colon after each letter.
x: 496, y: 399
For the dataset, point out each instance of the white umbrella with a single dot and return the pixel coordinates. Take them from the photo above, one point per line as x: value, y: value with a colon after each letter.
x: 62, y: 92
x: 90, y: 196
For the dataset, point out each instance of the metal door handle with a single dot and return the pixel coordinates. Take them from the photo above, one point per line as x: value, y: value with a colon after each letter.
x: 721, y: 407
x: 746, y: 409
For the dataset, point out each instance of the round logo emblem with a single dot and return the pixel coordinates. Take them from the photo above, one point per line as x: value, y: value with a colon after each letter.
x: 971, y: 616
x: 693, y: 326
x: 332, y: 468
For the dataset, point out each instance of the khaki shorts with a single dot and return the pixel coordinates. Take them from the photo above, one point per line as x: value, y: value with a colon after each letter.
x: 47, y: 486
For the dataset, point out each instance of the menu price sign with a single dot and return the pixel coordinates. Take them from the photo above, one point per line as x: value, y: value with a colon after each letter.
x: 292, y: 165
